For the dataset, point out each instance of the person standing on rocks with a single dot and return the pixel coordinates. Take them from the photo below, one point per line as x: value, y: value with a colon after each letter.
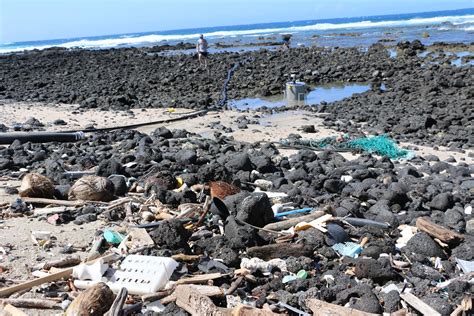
x: 201, y: 49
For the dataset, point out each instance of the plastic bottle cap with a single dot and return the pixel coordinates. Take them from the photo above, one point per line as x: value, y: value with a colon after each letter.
x: 302, y: 274
x: 113, y: 237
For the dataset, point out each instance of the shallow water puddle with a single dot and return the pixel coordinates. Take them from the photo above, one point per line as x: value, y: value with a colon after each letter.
x: 327, y: 93
x: 456, y: 62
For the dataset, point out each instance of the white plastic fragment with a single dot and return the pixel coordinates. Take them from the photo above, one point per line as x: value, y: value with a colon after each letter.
x: 346, y: 178
x: 155, y: 307
x: 93, y: 272
x: 466, y: 266
x: 255, y: 264
x: 263, y: 184
x: 468, y: 210
x: 407, y: 233
x: 142, y: 274
x: 389, y: 288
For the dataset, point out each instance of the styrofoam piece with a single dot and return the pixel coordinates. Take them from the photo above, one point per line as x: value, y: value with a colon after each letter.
x: 92, y: 272
x: 349, y: 249
x: 466, y: 266
x: 142, y: 274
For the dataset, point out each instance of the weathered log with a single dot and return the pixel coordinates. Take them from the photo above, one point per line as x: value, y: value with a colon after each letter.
x: 29, y: 303
x: 282, y: 250
x: 64, y: 262
x: 203, y: 278
x: 437, y: 231
x: 419, y: 305
x: 46, y: 279
x: 196, y: 303
x: 321, y: 308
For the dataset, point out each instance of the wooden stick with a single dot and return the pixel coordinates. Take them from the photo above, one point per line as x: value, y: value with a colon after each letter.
x: 419, y: 305
x: 321, y: 308
x: 58, y: 202
x: 196, y: 303
x: 186, y: 258
x: 46, y: 279
x: 203, y: 278
x: 64, y: 262
x: 29, y: 303
x: 282, y: 225
x: 205, y: 290
x: 51, y: 210
x: 94, y: 252
x: 437, y: 231
x: 273, y: 251
x: 157, y: 296
x: 206, y: 208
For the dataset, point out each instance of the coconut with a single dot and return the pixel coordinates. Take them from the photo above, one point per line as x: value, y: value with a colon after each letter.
x: 96, y: 300
x: 92, y: 188
x: 36, y: 185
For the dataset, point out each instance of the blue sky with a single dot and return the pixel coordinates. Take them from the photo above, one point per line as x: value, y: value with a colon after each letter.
x: 25, y: 20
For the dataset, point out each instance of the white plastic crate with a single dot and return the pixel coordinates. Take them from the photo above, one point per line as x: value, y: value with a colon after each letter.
x: 143, y: 274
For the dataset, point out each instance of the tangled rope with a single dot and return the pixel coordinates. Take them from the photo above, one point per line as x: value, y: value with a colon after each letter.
x: 380, y: 145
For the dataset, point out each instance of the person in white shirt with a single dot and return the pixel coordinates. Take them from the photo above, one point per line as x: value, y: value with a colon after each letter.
x: 201, y: 49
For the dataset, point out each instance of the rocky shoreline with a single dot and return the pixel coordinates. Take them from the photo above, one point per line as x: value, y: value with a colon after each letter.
x: 424, y: 102
x: 402, y: 205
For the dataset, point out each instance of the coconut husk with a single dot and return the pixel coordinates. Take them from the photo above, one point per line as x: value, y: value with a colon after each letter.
x: 94, y: 301
x: 36, y: 185
x: 92, y: 188
x: 222, y: 189
x: 160, y: 180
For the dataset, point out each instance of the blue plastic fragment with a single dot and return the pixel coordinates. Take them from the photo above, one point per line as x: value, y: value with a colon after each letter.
x: 301, y: 210
x: 348, y: 249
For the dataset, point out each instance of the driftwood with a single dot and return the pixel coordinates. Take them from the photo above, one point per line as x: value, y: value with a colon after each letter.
x: 94, y: 252
x: 206, y: 208
x: 196, y: 303
x: 273, y: 251
x: 419, y: 305
x: 282, y: 225
x: 437, y: 231
x: 51, y: 210
x: 186, y: 258
x: 29, y: 303
x: 92, y: 302
x: 46, y: 279
x: 204, y: 278
x: 157, y: 296
x: 206, y: 290
x: 64, y: 262
x: 55, y: 202
x: 321, y: 308
x: 117, y: 306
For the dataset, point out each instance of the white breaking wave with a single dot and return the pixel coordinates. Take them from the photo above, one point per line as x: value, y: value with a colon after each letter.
x: 470, y: 28
x: 156, y: 38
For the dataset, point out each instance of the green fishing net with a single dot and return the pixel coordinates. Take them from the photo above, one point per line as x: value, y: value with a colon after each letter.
x: 380, y: 145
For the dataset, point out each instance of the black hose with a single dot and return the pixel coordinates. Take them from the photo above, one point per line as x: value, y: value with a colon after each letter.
x: 73, y: 135
x: 40, y: 137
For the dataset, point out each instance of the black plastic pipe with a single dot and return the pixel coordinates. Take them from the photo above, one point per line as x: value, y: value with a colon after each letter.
x: 40, y: 137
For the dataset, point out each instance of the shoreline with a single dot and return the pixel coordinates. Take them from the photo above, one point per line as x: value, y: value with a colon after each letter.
x: 427, y: 107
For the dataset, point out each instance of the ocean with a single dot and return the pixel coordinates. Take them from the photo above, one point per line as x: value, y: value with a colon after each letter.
x: 441, y: 26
